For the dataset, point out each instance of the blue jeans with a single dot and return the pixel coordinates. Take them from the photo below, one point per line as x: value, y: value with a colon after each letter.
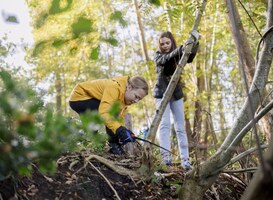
x: 177, y: 109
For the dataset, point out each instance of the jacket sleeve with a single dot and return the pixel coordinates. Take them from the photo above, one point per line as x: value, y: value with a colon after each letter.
x: 109, y: 97
x: 193, y: 54
x: 163, y: 59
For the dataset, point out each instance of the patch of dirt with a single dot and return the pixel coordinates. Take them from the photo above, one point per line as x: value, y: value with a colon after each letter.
x: 78, y: 179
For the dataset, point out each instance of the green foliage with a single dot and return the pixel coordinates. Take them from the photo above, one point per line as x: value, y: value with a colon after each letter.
x: 41, y: 20
x: 38, y: 48
x: 12, y: 19
x: 58, y: 43
x: 83, y: 25
x: 94, y: 55
x: 57, y: 8
x: 115, y: 110
x: 31, y: 132
x: 76, y: 53
x: 117, y: 16
x: 111, y: 41
x: 155, y: 2
x: 3, y: 51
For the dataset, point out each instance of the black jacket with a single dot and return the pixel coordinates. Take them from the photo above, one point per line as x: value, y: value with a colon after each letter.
x: 165, y: 67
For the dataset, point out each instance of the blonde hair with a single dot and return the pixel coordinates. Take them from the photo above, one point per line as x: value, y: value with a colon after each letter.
x: 138, y: 82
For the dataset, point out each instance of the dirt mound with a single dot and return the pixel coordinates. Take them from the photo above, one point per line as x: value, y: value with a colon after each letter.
x: 80, y: 178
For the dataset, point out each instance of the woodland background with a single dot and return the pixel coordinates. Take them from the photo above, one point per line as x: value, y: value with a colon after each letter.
x: 87, y: 39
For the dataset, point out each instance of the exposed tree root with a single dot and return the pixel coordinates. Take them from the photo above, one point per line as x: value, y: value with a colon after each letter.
x: 110, y: 164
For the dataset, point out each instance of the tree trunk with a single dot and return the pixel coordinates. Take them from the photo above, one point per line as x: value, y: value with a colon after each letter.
x: 244, y: 51
x: 166, y: 11
x: 58, y: 86
x: 260, y: 186
x: 202, y: 177
x: 132, y: 148
x: 141, y: 32
x: 209, y: 68
x: 197, y: 122
x: 240, y: 39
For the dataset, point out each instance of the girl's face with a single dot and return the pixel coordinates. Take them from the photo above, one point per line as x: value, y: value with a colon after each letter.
x: 132, y: 95
x: 165, y: 44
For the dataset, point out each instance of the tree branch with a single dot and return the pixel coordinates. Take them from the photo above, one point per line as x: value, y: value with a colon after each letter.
x: 245, y: 153
x: 249, y: 125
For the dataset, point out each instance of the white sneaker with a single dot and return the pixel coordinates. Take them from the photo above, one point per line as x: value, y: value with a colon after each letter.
x: 186, y: 164
x: 166, y: 158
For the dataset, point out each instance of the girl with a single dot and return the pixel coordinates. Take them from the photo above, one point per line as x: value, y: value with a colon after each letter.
x: 101, y: 94
x: 166, y: 59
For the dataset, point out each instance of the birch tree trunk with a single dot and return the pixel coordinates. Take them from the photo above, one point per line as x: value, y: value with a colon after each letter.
x: 204, y: 175
x: 58, y: 87
x: 166, y: 11
x: 209, y: 68
x: 141, y: 33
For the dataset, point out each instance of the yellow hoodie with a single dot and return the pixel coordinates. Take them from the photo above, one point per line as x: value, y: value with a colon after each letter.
x: 108, y: 91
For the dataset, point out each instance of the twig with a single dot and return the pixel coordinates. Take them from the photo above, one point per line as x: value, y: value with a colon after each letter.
x: 251, y: 169
x: 108, y: 182
x: 47, y: 178
x: 245, y: 153
x: 132, y: 180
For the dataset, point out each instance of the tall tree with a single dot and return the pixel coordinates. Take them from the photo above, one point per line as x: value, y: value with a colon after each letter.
x: 202, y: 177
x: 245, y: 54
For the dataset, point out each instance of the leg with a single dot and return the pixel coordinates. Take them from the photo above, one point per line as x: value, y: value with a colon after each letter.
x: 177, y: 108
x: 82, y: 106
x: 164, y: 133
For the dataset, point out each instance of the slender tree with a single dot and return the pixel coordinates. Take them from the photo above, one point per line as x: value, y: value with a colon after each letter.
x: 202, y: 177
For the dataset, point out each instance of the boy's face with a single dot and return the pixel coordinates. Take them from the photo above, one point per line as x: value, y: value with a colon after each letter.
x: 132, y: 95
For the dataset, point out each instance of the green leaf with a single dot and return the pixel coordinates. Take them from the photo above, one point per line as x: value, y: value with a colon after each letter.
x: 155, y: 2
x: 41, y: 20
x: 12, y: 19
x: 83, y: 25
x: 117, y: 16
x: 94, y: 55
x: 115, y: 110
x: 58, y: 43
x: 3, y: 51
x: 56, y: 7
x: 38, y: 48
x: 6, y: 77
x: 111, y: 41
x: 24, y: 170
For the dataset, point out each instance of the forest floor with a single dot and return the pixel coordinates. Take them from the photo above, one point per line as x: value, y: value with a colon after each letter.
x: 80, y: 178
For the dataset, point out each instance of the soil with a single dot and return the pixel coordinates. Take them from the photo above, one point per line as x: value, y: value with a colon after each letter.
x: 77, y: 179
